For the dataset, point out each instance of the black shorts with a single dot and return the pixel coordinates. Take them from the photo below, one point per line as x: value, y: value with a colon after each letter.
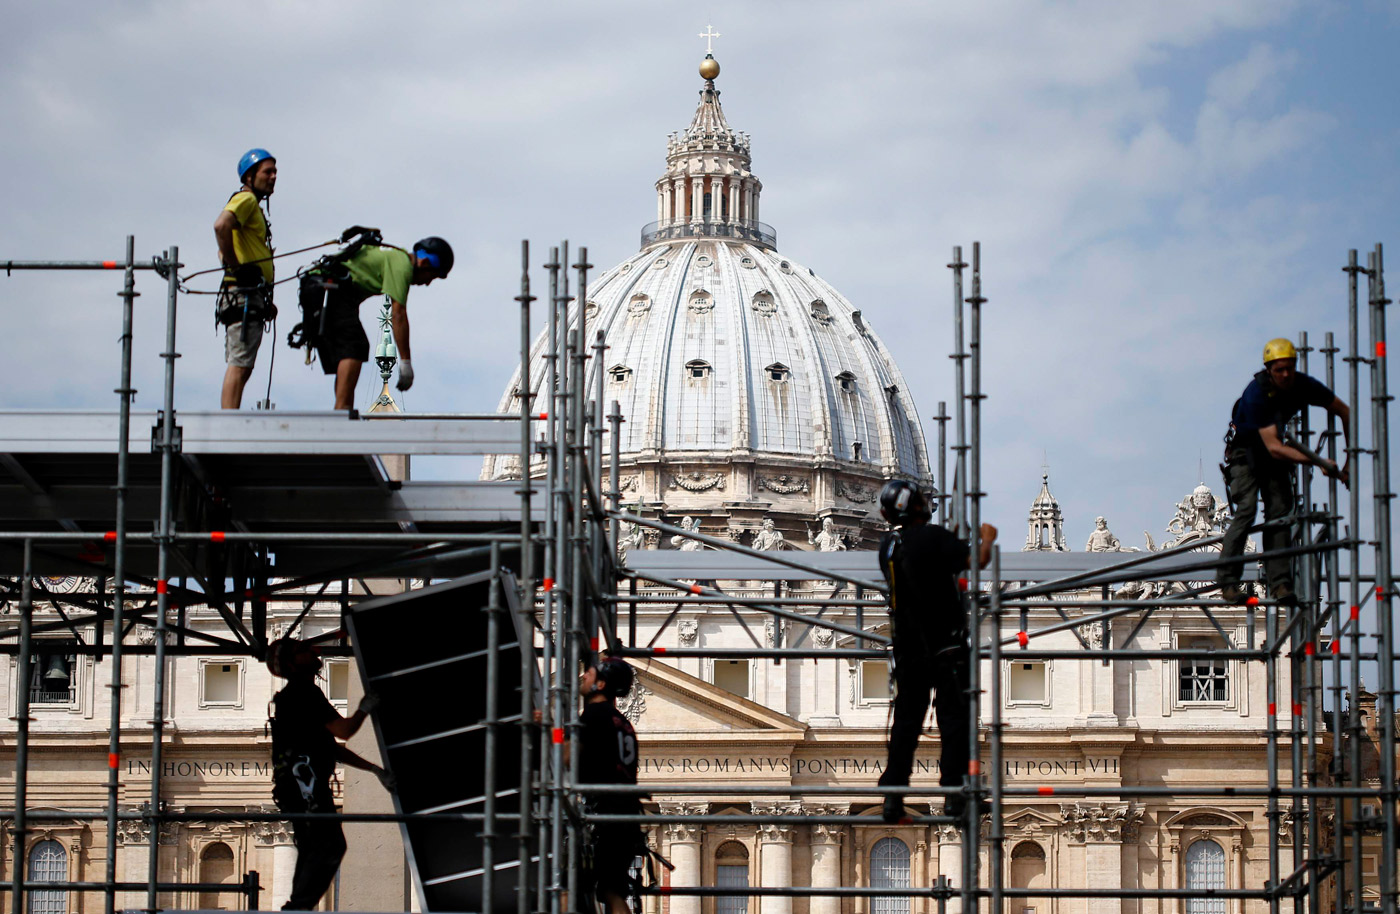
x: 344, y: 337
x: 615, y: 847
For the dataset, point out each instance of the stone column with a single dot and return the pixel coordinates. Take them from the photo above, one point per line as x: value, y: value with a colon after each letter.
x: 278, y: 837
x: 950, y: 857
x: 697, y: 199
x: 685, y: 853
x: 677, y: 201
x: 734, y: 199
x: 775, y: 854
x: 747, y: 192
x: 826, y: 857
x: 1103, y: 829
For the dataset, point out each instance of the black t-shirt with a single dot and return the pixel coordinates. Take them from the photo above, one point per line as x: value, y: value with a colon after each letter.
x: 302, y: 713
x: 608, y: 755
x: 921, y: 564
x: 1262, y: 405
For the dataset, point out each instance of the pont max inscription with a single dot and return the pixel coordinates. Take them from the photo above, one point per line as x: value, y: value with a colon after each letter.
x: 854, y: 766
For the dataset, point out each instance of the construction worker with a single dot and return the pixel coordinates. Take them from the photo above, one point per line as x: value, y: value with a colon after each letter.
x: 1258, y: 460
x: 245, y: 249
x: 921, y: 562
x: 608, y: 755
x: 305, y: 729
x: 373, y: 269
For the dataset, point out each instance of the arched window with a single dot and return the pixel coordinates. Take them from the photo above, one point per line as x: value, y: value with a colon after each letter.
x: 1027, y: 872
x: 215, y: 865
x: 732, y: 872
x: 697, y: 369
x: 48, y: 862
x: 1205, y: 869
x: 889, y: 869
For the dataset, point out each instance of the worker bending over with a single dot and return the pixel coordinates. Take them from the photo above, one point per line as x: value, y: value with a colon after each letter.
x: 245, y: 304
x: 921, y: 562
x: 1259, y: 460
x: 342, y: 283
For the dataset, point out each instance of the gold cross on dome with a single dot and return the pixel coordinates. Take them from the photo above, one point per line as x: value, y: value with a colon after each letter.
x: 709, y: 35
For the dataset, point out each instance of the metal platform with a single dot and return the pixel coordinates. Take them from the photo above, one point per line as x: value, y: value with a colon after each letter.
x: 243, y: 472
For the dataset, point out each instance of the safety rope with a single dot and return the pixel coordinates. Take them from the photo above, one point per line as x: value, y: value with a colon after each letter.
x: 185, y: 279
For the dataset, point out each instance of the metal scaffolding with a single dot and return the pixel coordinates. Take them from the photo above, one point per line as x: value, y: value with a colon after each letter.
x: 546, y: 544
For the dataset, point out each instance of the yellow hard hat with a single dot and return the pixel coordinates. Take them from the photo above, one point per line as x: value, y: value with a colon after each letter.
x: 1279, y: 349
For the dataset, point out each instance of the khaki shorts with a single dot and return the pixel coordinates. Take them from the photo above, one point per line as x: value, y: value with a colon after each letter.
x: 238, y: 351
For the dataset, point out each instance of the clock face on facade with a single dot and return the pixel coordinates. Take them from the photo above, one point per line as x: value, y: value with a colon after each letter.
x: 59, y: 583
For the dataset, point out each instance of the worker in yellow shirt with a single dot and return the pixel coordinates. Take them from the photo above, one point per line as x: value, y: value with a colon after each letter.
x: 245, y: 248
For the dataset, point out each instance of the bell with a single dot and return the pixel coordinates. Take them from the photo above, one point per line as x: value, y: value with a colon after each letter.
x: 56, y: 675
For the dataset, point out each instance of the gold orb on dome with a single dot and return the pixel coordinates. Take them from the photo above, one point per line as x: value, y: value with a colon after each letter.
x: 709, y: 67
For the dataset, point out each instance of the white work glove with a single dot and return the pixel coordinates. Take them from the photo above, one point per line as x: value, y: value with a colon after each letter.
x: 405, y: 374
x: 369, y: 703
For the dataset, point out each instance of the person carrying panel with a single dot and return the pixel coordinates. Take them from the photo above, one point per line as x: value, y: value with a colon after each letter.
x: 921, y: 562
x: 305, y: 733
x: 331, y: 293
x: 244, y: 303
x: 1259, y: 460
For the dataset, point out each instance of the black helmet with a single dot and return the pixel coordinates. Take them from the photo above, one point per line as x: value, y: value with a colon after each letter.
x: 437, y: 252
x: 901, y: 502
x: 617, y: 674
x: 280, y: 654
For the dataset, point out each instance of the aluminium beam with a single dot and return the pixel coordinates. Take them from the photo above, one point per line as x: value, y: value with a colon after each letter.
x: 91, y: 431
x: 715, y: 565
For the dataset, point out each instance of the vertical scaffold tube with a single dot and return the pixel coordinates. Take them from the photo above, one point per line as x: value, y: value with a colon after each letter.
x: 22, y: 680
x: 549, y: 862
x: 956, y: 520
x: 974, y: 520
x: 1300, y: 676
x: 1354, y: 570
x: 114, y: 728
x: 493, y: 695
x: 997, y: 838
x: 166, y: 521
x: 942, y: 420
x: 578, y: 615
x: 1334, y: 608
x: 527, y: 594
x: 1271, y: 748
x: 1385, y: 708
x: 614, y: 502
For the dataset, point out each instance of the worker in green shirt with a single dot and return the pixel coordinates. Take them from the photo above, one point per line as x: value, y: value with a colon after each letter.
x: 374, y: 269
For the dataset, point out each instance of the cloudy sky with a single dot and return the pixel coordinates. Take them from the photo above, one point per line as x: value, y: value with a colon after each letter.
x: 1158, y: 188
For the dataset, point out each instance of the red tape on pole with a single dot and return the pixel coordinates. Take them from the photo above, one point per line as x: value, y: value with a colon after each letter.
x: 113, y: 760
x: 1023, y: 638
x: 557, y: 734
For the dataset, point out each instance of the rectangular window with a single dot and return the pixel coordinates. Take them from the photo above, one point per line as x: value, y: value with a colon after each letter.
x: 733, y: 676
x: 337, y: 673
x: 221, y: 684
x: 730, y: 876
x: 53, y: 674
x: 1204, y: 679
x: 874, y: 680
x: 1025, y: 682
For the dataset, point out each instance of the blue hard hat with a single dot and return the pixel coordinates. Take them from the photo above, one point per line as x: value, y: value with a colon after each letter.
x: 251, y: 158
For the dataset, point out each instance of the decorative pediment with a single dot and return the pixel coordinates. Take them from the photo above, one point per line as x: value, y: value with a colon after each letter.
x: 683, y: 705
x: 1030, y: 821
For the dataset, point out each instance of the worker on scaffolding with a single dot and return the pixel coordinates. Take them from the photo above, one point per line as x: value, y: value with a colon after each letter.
x: 331, y: 293
x: 608, y: 755
x: 921, y: 562
x: 1259, y: 459
x: 305, y: 733
x: 244, y: 303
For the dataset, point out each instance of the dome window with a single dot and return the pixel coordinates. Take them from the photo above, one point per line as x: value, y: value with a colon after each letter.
x: 697, y: 369
x: 763, y: 302
x: 700, y: 302
x: 639, y: 304
x: 785, y: 266
x: 703, y: 260
x: 747, y: 263
x: 620, y: 374
x: 778, y: 372
x: 820, y: 313
x: 847, y: 382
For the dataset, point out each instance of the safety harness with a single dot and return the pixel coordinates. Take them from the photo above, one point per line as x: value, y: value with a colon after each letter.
x: 328, y: 276
x: 245, y: 295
